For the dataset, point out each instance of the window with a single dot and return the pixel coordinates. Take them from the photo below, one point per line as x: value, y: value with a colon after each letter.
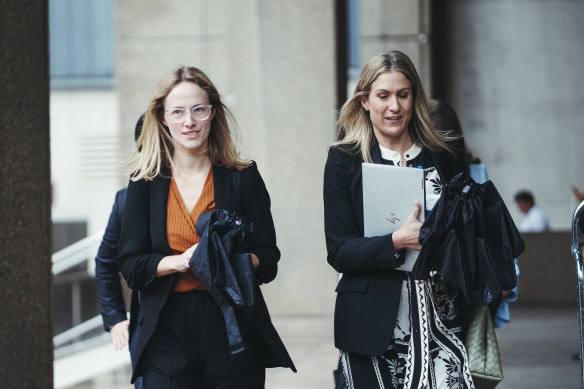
x: 82, y: 43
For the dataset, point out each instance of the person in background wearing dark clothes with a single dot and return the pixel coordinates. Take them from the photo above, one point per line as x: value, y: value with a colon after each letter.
x: 187, y: 166
x: 107, y: 278
x: 392, y: 331
x: 444, y: 118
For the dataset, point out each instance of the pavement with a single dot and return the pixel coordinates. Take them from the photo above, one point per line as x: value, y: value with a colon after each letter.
x: 537, y: 349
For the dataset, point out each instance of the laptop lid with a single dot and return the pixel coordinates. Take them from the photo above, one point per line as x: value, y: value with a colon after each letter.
x: 389, y: 193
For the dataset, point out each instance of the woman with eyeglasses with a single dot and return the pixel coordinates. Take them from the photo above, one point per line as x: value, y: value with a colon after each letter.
x: 392, y: 331
x: 188, y: 165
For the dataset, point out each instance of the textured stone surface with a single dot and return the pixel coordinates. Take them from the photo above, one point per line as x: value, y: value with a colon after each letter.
x: 25, y: 232
x: 548, y: 270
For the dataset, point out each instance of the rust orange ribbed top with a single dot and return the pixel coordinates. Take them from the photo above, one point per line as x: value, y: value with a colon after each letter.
x: 180, y: 227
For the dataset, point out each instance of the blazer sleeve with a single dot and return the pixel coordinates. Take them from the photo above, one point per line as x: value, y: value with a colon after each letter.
x: 107, y: 278
x: 255, y: 204
x: 136, y: 259
x: 348, y: 250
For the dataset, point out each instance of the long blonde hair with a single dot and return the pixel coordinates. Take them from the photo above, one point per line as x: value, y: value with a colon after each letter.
x: 154, y: 147
x: 354, y: 125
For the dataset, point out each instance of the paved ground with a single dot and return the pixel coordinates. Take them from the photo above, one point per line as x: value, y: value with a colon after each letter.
x: 537, y: 349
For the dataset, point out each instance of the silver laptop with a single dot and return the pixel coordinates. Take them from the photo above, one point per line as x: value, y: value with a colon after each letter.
x: 389, y: 193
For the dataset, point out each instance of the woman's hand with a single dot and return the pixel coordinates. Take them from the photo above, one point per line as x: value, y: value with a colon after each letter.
x: 175, y: 263
x: 120, y: 334
x: 255, y: 262
x: 406, y: 237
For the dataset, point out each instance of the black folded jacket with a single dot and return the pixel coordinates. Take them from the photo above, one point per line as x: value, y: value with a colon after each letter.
x: 470, y: 239
x: 223, y: 268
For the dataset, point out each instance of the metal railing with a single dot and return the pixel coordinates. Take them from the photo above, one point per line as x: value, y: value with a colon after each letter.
x: 76, y: 253
x: 77, y: 331
x: 82, y: 251
x: 577, y: 248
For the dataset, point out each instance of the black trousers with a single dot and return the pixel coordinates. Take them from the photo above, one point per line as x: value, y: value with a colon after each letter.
x: 189, y: 349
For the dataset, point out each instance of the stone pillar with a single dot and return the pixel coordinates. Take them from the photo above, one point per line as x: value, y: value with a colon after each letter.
x: 26, y: 332
x: 402, y: 25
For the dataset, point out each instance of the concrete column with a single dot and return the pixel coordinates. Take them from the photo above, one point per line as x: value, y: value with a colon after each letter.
x: 402, y: 25
x: 26, y: 331
x: 297, y: 80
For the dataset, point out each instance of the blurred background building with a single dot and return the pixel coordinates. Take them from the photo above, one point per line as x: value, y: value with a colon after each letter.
x: 511, y: 69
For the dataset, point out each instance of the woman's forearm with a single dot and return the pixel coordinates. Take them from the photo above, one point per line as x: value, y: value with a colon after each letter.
x: 175, y: 263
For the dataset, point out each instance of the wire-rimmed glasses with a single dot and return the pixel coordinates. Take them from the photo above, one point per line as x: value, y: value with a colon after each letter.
x: 199, y: 113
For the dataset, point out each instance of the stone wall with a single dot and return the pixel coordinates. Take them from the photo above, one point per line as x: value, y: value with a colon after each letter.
x: 402, y: 25
x: 548, y: 270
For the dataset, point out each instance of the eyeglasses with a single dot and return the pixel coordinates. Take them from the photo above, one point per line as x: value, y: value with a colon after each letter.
x: 200, y: 113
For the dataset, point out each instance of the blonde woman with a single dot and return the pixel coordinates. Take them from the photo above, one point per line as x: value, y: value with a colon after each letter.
x: 188, y: 165
x: 392, y: 331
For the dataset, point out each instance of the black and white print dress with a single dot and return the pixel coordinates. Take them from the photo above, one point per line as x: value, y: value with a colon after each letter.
x: 426, y: 350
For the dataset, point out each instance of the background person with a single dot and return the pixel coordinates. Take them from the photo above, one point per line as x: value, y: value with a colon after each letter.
x: 535, y: 219
x: 188, y: 165
x: 107, y: 278
x: 385, y: 336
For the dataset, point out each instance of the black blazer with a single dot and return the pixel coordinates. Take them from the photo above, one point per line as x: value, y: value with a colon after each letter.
x: 143, y: 243
x: 369, y: 292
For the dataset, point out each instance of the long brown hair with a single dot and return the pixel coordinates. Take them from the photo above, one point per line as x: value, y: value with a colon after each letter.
x: 354, y: 125
x: 444, y: 119
x: 155, y: 145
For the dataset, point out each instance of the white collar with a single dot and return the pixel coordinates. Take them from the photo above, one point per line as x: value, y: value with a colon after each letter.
x: 394, y: 156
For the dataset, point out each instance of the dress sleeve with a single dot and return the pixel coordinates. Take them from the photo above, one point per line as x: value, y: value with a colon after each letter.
x: 348, y: 250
